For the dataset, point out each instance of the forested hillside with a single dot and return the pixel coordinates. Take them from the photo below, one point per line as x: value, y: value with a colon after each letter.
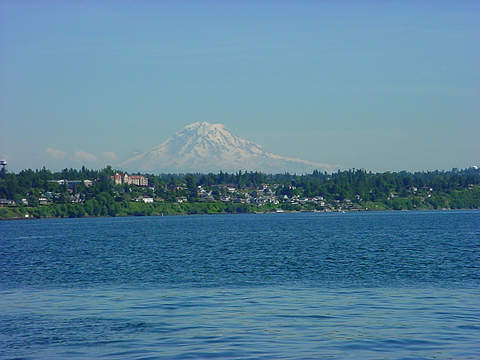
x: 85, y: 192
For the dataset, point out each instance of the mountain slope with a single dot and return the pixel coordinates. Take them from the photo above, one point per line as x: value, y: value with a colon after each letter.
x: 205, y: 147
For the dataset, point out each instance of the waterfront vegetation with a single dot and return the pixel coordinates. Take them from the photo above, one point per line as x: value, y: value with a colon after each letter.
x: 84, y: 192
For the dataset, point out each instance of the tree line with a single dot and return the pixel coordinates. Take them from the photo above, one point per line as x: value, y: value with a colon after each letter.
x: 388, y: 190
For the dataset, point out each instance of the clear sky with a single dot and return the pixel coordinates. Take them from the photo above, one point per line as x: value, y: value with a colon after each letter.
x: 380, y: 85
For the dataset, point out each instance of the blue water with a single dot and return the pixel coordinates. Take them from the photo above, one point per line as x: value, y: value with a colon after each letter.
x: 374, y: 285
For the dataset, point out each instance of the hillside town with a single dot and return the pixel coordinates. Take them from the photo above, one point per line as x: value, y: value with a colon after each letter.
x: 77, y: 193
x: 74, y: 192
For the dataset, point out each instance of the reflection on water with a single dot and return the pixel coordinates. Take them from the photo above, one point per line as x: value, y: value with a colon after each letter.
x: 348, y: 286
x: 251, y: 322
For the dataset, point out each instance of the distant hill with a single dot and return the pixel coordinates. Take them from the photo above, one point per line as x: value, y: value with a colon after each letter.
x: 204, y: 147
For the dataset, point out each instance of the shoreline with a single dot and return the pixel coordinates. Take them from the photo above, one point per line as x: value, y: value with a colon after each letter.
x: 239, y: 213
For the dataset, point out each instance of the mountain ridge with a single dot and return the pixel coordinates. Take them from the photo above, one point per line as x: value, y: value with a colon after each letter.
x: 206, y: 147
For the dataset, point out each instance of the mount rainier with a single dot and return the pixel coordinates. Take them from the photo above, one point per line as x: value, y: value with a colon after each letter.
x: 203, y: 147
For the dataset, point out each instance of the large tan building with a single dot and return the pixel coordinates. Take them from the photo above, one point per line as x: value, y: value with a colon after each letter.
x: 139, y: 180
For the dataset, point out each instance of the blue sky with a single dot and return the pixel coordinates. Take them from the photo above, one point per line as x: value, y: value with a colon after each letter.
x: 380, y: 85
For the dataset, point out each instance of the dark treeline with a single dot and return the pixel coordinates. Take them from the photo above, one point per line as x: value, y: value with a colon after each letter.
x: 339, y: 185
x: 387, y: 190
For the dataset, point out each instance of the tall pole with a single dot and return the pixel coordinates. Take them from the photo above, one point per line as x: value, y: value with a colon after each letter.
x: 3, y: 164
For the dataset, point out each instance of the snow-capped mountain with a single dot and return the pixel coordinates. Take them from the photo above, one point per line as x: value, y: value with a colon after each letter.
x: 204, y: 147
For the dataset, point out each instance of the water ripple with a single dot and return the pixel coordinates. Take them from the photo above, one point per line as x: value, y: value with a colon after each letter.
x: 350, y: 286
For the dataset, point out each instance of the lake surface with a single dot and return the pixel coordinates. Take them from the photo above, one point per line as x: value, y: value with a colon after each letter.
x: 372, y: 285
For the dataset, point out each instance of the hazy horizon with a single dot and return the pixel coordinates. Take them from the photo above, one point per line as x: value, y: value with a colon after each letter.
x: 374, y: 85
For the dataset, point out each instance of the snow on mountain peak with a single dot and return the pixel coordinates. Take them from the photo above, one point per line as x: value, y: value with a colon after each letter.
x: 203, y: 128
x: 206, y: 147
x: 203, y: 125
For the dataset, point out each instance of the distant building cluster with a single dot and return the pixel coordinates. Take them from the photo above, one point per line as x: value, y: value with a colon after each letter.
x: 139, y: 180
x: 71, y: 183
